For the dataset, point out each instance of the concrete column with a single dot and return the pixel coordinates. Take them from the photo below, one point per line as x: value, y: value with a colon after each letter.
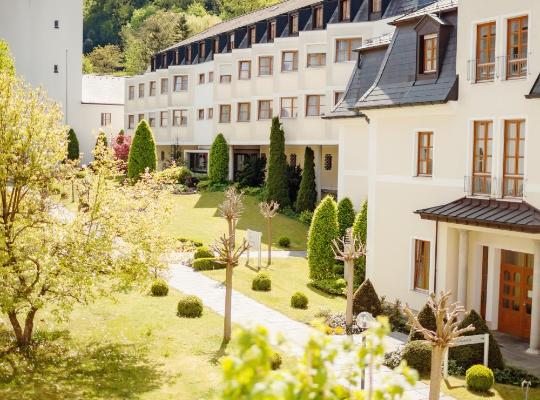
x: 317, y: 159
x: 231, y: 162
x: 534, y: 346
x: 462, y: 266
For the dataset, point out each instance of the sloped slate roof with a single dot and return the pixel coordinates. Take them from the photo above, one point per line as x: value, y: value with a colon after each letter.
x: 405, y: 7
x: 98, y: 89
x: 434, y: 8
x: 491, y: 213
x: 535, y: 90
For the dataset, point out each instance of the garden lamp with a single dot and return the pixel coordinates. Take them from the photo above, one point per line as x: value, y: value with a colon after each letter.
x: 364, y: 320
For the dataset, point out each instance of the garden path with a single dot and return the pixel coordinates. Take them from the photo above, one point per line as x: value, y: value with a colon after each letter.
x: 248, y: 312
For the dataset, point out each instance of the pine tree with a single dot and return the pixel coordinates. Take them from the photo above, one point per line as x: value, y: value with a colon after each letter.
x: 219, y: 160
x: 276, y: 183
x: 345, y: 215
x: 142, y: 153
x: 323, y: 230
x: 307, y: 195
x: 360, y: 231
x: 73, y: 146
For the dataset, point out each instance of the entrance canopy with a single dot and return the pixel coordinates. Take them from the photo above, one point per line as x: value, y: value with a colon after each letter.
x: 491, y: 213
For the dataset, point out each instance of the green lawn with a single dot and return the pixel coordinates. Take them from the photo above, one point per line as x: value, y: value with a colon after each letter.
x: 136, y: 348
x: 288, y: 276
x: 196, y: 216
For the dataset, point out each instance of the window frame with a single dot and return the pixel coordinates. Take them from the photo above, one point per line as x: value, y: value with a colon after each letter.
x: 426, y: 266
x: 152, y: 88
x: 223, y: 107
x: 349, y: 50
x: 523, y: 72
x: 270, y: 65
x: 239, y: 111
x: 202, y: 78
x: 344, y: 10
x: 241, y: 63
x: 180, y: 116
x: 106, y: 119
x: 428, y: 162
x: 178, y: 82
x: 225, y: 79
x: 321, y: 58
x: 293, y: 24
x: 294, y: 61
x: 485, y: 176
x: 270, y: 110
x: 131, y: 92
x: 293, y: 108
x: 490, y: 52
x: 377, y: 3
x: 164, y: 86
x: 338, y: 95
x: 210, y: 113
x: 252, y: 35
x: 163, y: 119
x: 318, y: 17
x: 142, y: 90
x: 272, y: 30
x: 319, y: 104
x: 519, y: 176
x: 433, y: 53
x: 131, y: 121
x: 200, y: 114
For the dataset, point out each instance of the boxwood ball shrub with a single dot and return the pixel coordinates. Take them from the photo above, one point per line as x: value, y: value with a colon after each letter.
x: 159, y: 288
x: 203, y: 252
x: 284, y: 241
x: 190, y: 307
x: 206, y: 264
x: 299, y: 300
x: 418, y: 356
x: 479, y: 378
x: 262, y: 282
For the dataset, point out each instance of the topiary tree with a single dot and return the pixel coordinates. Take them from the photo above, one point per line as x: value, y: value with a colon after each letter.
x: 467, y: 356
x: 323, y: 230
x: 360, y: 231
x: 307, y: 194
x: 276, y: 184
x: 219, y: 160
x: 345, y: 213
x: 73, y: 146
x: 426, y: 317
x: 142, y: 153
x: 418, y: 356
x: 366, y: 299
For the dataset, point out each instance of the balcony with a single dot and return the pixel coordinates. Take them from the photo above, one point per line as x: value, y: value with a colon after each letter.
x: 502, y: 67
x: 484, y: 185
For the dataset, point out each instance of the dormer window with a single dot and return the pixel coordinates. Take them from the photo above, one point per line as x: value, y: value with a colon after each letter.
x: 164, y: 61
x: 188, y: 54
x: 293, y: 24
x: 344, y: 10
x: 230, y: 44
x: 376, y: 6
x: 252, y: 37
x: 429, y: 50
x: 271, y: 31
x: 202, y: 51
x: 216, y: 45
x: 56, y: 24
x: 317, y: 17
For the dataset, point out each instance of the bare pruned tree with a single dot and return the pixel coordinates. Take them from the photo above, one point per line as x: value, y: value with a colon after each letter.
x: 269, y: 210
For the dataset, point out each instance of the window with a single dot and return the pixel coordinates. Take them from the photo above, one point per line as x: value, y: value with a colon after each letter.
x: 292, y: 160
x: 318, y: 17
x: 271, y: 31
x: 313, y: 105
x: 514, y: 158
x: 289, y: 61
x: 131, y: 121
x: 344, y: 10
x: 429, y: 56
x: 265, y: 109
x: 288, y: 107
x: 200, y: 113
x: 224, y: 79
x: 293, y: 24
x: 179, y: 118
x: 131, y: 92
x: 105, y: 119
x: 177, y: 57
x: 244, y: 70
x: 216, y: 45
x: 421, y: 264
x: 152, y: 119
x: 482, y: 157
x: 266, y: 65
x: 252, y: 38
x: 141, y: 90
x: 201, y: 79
x: 376, y: 6
x: 316, y: 59
x: 152, y: 91
x: 56, y: 24
x: 164, y: 61
x: 163, y: 119
x: 210, y: 77
x: 55, y: 68
x: 164, y: 85
x: 140, y: 117
x: 424, y: 157
x: 337, y: 97
x: 345, y: 47
x: 210, y: 113
x: 244, y: 110
x: 180, y: 83
x: 202, y: 51
x: 230, y: 43
x: 328, y: 162
x: 224, y: 113
x: 485, y: 52
x: 517, y: 47
x: 188, y: 54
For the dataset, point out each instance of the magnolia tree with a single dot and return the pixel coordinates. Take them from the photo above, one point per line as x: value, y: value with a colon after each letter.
x: 121, y: 145
x: 49, y: 256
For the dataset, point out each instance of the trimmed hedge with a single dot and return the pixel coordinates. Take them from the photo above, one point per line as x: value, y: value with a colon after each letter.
x: 261, y: 282
x: 196, y: 243
x: 418, y: 356
x: 142, y: 153
x: 219, y: 160
x: 299, y: 300
x: 366, y: 299
x: 346, y: 217
x: 331, y: 286
x: 203, y: 252
x: 277, y: 187
x: 190, y: 307
x: 159, y: 288
x: 206, y: 264
x: 307, y: 194
x: 323, y: 229
x: 479, y: 378
x: 427, y: 319
x: 284, y: 241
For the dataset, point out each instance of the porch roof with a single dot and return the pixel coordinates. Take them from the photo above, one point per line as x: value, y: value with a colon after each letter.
x: 535, y: 90
x: 491, y: 213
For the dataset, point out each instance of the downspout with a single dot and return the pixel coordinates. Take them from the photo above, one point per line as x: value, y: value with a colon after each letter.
x: 436, y: 248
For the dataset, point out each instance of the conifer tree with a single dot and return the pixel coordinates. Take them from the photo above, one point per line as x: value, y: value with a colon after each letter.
x: 360, y: 231
x: 142, y: 153
x: 219, y: 160
x: 345, y: 215
x: 73, y: 146
x: 276, y: 183
x: 102, y: 138
x: 307, y: 195
x: 323, y: 230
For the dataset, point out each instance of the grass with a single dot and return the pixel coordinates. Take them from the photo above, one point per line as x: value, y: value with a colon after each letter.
x: 288, y: 275
x: 136, y: 348
x: 196, y: 217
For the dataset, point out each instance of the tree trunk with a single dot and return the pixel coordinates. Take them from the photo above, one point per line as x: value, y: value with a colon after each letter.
x: 23, y: 337
x: 435, y: 377
x: 269, y: 241
x: 349, y: 268
x: 227, y: 325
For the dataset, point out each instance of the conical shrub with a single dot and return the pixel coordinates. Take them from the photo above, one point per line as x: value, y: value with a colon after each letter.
x: 219, y: 160
x: 73, y: 146
x: 276, y: 183
x: 345, y: 212
x: 307, y: 194
x: 323, y: 229
x: 427, y: 319
x: 366, y: 299
x: 142, y: 153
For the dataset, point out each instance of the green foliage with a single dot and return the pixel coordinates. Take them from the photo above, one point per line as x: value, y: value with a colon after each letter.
x: 360, y: 231
x: 206, y: 264
x: 418, y: 356
x: 196, y: 243
x: 106, y: 59
x: 142, y: 153
x: 73, y: 146
x: 366, y: 299
x: 276, y: 183
x: 202, y: 252
x: 479, y: 378
x: 331, y: 286
x: 159, y: 288
x: 284, y: 241
x: 427, y: 319
x: 305, y: 217
x: 101, y: 140
x: 219, y: 160
x: 7, y: 66
x: 253, y: 174
x: 467, y: 356
x: 514, y: 376
x: 275, y: 361
x: 235, y: 8
x: 294, y: 177
x: 346, y: 215
x: 339, y: 269
x: 262, y: 282
x: 299, y: 300
x: 323, y: 229
x: 175, y: 174
x: 398, y: 320
x: 307, y: 194
x: 87, y: 67
x: 190, y: 307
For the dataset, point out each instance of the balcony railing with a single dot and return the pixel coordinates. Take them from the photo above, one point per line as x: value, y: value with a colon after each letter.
x: 494, y: 187
x: 516, y: 65
x: 509, y: 67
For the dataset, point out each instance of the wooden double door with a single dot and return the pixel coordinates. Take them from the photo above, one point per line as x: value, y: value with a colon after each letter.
x: 515, y: 303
